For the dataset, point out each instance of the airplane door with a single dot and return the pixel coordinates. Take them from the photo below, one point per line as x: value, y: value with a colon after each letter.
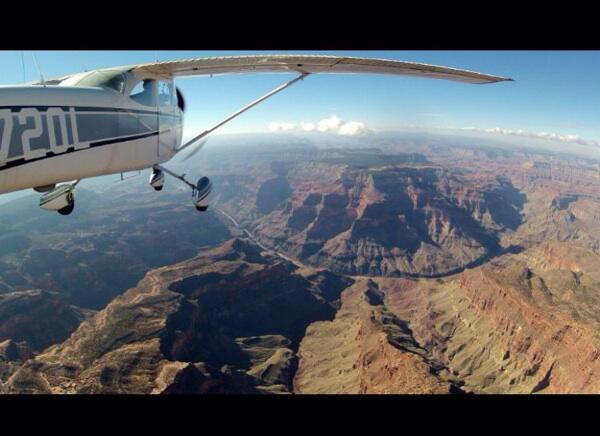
x: 168, y: 118
x: 141, y: 122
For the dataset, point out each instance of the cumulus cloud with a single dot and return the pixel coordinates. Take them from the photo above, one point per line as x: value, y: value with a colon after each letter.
x: 280, y: 127
x: 575, y: 139
x: 353, y: 128
x: 333, y: 124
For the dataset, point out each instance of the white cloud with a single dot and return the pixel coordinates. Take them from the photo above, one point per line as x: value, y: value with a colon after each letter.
x: 575, y: 139
x: 280, y: 127
x: 331, y: 124
x: 353, y: 128
x: 334, y: 124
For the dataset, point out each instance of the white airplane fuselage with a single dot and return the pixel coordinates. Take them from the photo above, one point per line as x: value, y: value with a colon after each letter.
x: 129, y: 118
x: 55, y: 134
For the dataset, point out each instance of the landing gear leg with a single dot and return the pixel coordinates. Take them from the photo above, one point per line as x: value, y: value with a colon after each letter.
x: 200, y: 191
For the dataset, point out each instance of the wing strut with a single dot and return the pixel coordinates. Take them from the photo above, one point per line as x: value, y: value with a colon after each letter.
x: 242, y: 110
x: 177, y: 176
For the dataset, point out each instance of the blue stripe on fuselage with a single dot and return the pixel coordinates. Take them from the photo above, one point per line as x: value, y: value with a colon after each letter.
x: 112, y: 126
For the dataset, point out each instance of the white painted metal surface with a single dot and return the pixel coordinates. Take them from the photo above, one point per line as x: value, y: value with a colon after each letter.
x: 90, y: 124
x: 311, y: 64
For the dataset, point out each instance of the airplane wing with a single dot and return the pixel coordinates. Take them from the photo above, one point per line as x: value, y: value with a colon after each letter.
x: 303, y: 65
x: 309, y: 64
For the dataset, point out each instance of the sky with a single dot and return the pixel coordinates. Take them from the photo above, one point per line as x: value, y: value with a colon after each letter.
x: 555, y: 94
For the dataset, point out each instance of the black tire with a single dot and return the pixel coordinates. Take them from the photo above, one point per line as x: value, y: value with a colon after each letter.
x: 68, y: 209
x: 157, y: 188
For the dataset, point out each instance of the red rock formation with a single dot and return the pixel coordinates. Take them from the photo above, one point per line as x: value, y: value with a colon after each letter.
x: 365, y: 349
x: 511, y: 326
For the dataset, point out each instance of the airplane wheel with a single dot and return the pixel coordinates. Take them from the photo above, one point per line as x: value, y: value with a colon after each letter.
x: 201, y: 208
x: 68, y: 209
x: 158, y: 188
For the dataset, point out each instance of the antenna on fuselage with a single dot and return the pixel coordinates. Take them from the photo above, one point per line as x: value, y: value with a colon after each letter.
x: 37, y: 66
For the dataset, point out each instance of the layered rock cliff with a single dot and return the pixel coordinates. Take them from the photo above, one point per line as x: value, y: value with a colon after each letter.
x: 413, y: 220
x: 367, y: 349
x: 474, y: 272
x: 522, y: 323
x: 229, y: 320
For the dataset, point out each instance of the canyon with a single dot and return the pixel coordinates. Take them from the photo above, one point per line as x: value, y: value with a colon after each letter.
x: 401, y: 269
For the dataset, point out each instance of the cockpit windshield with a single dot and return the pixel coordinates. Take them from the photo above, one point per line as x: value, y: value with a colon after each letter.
x: 112, y: 79
x: 104, y: 79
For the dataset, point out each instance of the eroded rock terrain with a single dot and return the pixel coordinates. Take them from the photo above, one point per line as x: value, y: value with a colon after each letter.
x: 216, y: 323
x: 413, y: 219
x: 413, y: 269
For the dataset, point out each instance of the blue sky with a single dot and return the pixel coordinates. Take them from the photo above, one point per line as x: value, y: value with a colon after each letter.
x: 553, y: 92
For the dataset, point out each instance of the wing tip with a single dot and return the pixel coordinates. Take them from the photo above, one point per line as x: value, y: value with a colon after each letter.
x: 495, y: 80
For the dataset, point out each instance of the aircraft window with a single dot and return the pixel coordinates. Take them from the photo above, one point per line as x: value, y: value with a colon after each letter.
x: 144, y: 92
x: 106, y: 79
x: 137, y: 89
x: 165, y: 93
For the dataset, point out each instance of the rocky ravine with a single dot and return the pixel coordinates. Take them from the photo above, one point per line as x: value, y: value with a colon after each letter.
x: 227, y: 321
x: 522, y: 323
x: 231, y: 321
x: 367, y: 349
x: 410, y: 220
x: 506, y: 300
x: 103, y: 248
x: 238, y: 320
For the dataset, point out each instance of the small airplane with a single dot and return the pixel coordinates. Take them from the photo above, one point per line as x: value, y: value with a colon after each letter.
x: 130, y: 118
